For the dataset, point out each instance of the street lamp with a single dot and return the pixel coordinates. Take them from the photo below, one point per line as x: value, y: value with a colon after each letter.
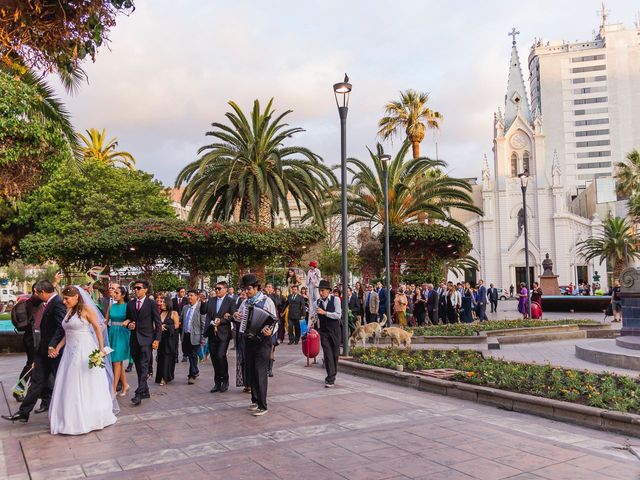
x: 342, y: 90
x: 387, y: 264
x: 524, y: 180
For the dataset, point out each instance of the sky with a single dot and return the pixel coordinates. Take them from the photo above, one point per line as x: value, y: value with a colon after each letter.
x: 171, y: 67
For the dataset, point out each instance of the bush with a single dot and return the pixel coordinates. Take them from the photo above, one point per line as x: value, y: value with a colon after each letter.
x: 469, y: 329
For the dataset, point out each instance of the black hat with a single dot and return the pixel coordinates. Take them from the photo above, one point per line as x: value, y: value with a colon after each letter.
x: 324, y: 284
x: 249, y: 280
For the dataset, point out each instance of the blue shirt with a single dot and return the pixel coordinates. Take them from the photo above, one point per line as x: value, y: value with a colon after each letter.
x: 187, y: 319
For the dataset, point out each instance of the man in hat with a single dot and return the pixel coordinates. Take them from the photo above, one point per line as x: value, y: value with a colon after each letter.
x: 329, y: 313
x: 312, y: 282
x: 258, y: 351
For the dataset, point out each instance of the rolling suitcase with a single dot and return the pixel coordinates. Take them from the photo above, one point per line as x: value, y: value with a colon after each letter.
x: 311, y: 345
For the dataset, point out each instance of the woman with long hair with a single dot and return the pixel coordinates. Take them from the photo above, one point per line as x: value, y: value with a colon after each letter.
x: 523, y: 302
x: 166, y: 357
x: 119, y: 337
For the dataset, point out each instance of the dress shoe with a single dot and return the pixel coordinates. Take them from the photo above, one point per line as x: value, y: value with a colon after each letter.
x: 216, y: 388
x: 129, y: 368
x: 145, y: 396
x: 270, y: 373
x: 137, y: 400
x: 191, y: 380
x: 246, y: 390
x: 290, y: 342
x: 43, y: 408
x: 224, y: 387
x: 17, y: 417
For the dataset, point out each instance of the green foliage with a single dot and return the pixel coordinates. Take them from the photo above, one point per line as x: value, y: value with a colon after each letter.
x: 247, y: 173
x: 166, y: 282
x: 330, y: 261
x: 32, y: 146
x: 605, y: 390
x: 469, y: 329
x: 90, y: 200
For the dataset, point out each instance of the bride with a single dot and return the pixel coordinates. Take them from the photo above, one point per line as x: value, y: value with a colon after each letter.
x: 82, y: 398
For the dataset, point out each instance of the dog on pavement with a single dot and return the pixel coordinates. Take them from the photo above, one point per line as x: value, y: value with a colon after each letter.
x: 363, y: 332
x: 397, y: 336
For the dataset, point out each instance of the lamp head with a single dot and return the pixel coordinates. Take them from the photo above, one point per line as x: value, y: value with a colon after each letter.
x: 524, y: 179
x: 385, y: 159
x: 341, y: 90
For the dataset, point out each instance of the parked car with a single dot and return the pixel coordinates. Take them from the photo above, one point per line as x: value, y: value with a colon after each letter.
x: 502, y: 294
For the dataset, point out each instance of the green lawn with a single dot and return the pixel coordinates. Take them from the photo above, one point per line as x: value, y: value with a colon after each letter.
x: 614, y: 392
x: 468, y: 329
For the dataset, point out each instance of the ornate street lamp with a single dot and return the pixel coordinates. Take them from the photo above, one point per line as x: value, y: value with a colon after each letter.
x: 342, y: 90
x: 524, y: 180
x: 386, y: 159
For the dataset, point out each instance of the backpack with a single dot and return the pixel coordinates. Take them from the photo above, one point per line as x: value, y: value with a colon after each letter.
x: 20, y: 316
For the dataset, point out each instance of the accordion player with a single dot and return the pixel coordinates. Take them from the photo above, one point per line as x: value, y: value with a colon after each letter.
x: 257, y: 319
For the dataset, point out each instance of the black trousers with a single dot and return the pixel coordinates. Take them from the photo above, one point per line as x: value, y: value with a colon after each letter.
x: 330, y: 341
x: 482, y: 312
x: 433, y: 316
x: 371, y: 317
x: 191, y: 352
x: 420, y: 316
x: 494, y: 306
x: 294, y: 329
x: 218, y: 351
x: 257, y: 354
x: 30, y: 348
x: 142, y: 356
x: 40, y: 385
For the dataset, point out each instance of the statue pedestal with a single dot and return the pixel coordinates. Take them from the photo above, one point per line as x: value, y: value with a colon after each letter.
x: 630, y: 297
x: 549, y: 285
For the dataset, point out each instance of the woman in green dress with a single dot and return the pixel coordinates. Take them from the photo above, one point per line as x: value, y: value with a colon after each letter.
x: 119, y: 337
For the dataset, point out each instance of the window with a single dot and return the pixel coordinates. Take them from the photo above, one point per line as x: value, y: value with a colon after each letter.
x: 593, y: 143
x: 595, y: 121
x: 588, y: 58
x: 514, y: 164
x: 582, y: 166
x: 595, y: 68
x: 583, y: 101
x: 591, y: 133
x: 525, y: 162
x: 579, y: 91
x: 604, y: 153
x: 593, y: 176
x: 597, y: 78
x: 591, y: 111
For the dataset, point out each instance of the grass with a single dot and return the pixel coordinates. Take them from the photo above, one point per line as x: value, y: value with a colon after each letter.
x: 469, y: 329
x: 606, y: 390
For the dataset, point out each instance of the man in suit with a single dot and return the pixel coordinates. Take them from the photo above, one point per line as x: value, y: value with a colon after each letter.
x: 433, y: 302
x: 47, y: 357
x: 193, y: 327
x: 219, y: 312
x: 371, y: 304
x: 382, y: 303
x: 354, y: 304
x: 295, y: 303
x: 492, y: 293
x: 143, y: 319
x: 482, y: 301
x: 329, y: 313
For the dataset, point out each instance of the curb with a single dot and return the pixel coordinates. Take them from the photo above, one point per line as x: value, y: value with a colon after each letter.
x: 599, y: 418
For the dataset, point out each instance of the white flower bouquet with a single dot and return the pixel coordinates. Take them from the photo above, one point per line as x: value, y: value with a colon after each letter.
x: 96, y: 358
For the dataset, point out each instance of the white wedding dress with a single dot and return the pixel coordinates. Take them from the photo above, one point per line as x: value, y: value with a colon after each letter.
x: 82, y: 399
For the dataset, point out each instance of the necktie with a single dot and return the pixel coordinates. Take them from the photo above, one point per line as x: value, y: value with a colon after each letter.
x: 187, y: 323
x: 138, y: 305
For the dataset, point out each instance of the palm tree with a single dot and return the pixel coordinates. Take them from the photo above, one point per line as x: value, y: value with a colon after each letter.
x: 412, y: 116
x: 628, y: 175
x: 96, y: 148
x: 411, y: 193
x: 617, y: 244
x: 248, y: 174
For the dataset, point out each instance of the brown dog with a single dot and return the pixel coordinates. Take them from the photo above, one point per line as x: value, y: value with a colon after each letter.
x: 364, y: 332
x: 398, y: 335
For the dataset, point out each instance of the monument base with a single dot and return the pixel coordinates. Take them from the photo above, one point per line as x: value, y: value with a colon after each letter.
x: 630, y: 313
x: 549, y: 285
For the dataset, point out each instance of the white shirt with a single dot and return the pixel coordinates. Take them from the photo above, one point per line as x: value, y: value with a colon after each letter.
x: 337, y: 314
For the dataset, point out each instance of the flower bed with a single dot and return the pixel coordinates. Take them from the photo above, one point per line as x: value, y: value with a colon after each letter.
x: 609, y: 391
x: 468, y: 329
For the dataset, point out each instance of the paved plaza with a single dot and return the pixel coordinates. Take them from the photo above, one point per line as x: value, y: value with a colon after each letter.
x: 362, y: 429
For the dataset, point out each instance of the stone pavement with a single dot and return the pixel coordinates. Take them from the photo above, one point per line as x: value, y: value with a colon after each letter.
x: 362, y: 429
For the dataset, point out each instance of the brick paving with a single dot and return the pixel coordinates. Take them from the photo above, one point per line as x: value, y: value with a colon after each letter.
x: 362, y: 429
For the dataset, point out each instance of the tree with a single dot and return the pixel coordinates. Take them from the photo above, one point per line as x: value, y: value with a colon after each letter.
x: 48, y: 35
x: 628, y: 175
x: 411, y: 193
x: 97, y: 149
x: 248, y: 174
x: 617, y: 244
x: 412, y: 116
x: 92, y: 199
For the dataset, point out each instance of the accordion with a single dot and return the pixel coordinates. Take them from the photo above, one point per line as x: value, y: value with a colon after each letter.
x: 257, y: 319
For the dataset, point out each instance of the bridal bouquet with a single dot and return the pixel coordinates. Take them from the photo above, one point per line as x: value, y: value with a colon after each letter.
x: 96, y: 358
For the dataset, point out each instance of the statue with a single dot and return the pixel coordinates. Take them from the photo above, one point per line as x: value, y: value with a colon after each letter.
x: 520, y: 221
x: 547, y: 266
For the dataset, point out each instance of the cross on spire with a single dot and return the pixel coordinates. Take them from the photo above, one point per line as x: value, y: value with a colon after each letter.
x: 513, y: 34
x: 604, y: 13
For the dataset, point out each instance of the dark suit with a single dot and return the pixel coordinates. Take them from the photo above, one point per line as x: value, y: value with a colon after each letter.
x: 297, y: 306
x: 219, y: 340
x: 482, y: 303
x: 148, y: 329
x: 355, y: 306
x: 51, y: 333
x: 178, y: 305
x: 493, y: 299
x: 433, y: 302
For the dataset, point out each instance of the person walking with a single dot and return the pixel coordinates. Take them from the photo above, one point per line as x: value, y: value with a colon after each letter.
x: 493, y: 298
x: 372, y: 305
x: 329, y: 313
x: 482, y: 301
x: 219, y: 312
x: 296, y: 309
x: 166, y: 355
x: 523, y: 302
x: 433, y: 304
x: 119, y: 337
x: 193, y: 328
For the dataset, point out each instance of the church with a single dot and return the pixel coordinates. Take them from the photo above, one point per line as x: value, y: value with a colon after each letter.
x: 519, y: 145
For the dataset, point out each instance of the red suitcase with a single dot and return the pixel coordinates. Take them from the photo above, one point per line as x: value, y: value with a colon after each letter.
x: 311, y: 345
x: 536, y: 310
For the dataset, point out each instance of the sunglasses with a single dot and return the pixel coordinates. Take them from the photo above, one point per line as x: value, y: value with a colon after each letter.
x: 138, y: 288
x: 219, y: 288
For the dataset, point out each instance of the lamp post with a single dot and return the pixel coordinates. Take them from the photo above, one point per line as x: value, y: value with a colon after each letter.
x: 387, y: 264
x: 524, y: 180
x: 341, y: 91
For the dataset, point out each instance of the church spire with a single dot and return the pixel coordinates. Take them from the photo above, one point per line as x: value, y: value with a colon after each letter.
x: 516, y: 99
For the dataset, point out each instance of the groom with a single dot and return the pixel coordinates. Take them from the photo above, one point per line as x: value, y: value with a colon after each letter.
x: 46, y: 360
x: 143, y: 319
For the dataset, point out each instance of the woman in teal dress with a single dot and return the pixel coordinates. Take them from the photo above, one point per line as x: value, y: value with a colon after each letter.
x: 119, y: 337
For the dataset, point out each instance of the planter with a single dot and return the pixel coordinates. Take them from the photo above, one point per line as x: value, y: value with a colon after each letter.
x: 621, y: 422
